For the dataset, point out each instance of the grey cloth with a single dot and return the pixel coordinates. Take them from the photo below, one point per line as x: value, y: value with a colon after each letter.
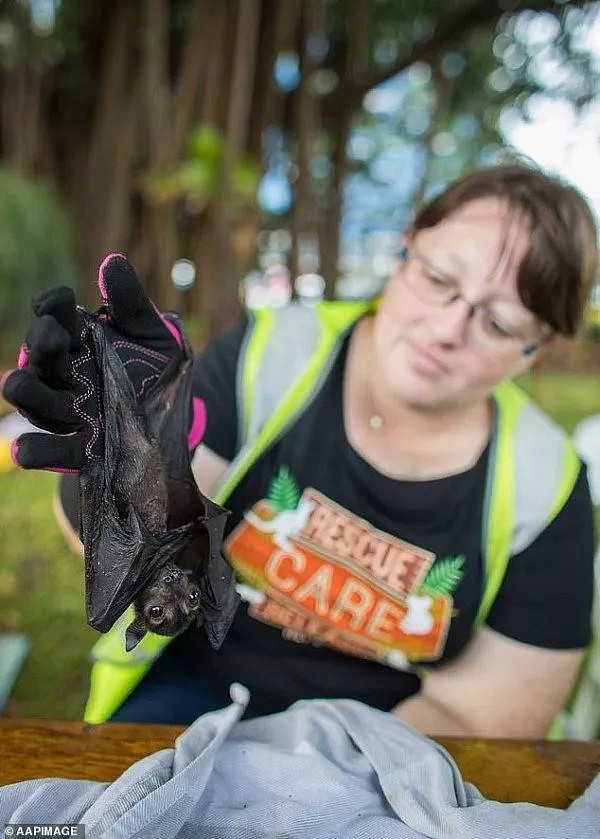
x: 321, y: 769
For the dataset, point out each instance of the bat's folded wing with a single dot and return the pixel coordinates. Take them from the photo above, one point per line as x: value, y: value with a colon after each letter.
x: 120, y: 564
x: 217, y: 586
x: 140, y: 506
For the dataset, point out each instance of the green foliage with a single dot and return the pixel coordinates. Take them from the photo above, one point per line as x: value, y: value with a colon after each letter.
x: 205, y: 144
x: 194, y: 179
x: 35, y: 250
x: 444, y: 576
x: 592, y: 330
x: 283, y: 491
x: 456, y: 102
x: 591, y: 323
x: 245, y: 178
x: 203, y: 174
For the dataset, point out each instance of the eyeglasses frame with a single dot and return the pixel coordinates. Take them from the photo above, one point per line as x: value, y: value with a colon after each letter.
x: 527, y: 350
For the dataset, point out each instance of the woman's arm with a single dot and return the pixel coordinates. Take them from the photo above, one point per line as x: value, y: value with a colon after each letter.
x: 208, y: 467
x: 518, y: 670
x: 496, y: 688
x: 64, y: 524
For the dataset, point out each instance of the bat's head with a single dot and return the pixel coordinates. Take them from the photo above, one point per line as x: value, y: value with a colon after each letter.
x: 167, y: 605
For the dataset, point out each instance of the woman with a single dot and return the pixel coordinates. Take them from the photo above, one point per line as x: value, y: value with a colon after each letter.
x: 409, y: 531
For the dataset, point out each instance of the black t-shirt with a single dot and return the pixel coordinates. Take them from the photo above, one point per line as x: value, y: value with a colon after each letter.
x: 545, y: 598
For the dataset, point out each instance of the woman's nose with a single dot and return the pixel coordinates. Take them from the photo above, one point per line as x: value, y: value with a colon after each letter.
x: 451, y: 323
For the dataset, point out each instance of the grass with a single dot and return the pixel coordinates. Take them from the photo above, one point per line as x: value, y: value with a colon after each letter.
x: 41, y: 581
x: 41, y: 595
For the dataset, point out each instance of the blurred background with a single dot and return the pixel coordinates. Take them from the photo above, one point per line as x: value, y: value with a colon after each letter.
x: 243, y: 153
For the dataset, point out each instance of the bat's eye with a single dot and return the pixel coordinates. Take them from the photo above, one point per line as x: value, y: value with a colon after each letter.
x: 193, y: 599
x: 156, y: 613
x: 168, y: 579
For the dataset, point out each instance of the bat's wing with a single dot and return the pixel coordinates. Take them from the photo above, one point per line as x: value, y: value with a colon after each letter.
x: 120, y: 497
x: 141, y: 507
x: 122, y: 560
x: 217, y: 586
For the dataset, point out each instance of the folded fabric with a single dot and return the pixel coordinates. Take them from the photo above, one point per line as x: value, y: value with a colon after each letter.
x: 321, y: 769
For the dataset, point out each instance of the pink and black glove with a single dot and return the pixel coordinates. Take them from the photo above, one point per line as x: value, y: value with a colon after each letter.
x: 56, y: 385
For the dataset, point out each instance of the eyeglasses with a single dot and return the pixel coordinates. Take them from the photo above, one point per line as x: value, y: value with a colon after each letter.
x: 490, y: 325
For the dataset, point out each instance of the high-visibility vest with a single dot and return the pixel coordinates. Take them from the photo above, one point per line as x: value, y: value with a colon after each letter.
x: 286, y: 356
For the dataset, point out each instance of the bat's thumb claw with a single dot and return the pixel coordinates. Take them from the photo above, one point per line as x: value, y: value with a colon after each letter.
x: 133, y: 636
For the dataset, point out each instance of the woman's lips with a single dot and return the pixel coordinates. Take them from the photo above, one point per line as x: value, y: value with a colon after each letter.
x: 425, y: 362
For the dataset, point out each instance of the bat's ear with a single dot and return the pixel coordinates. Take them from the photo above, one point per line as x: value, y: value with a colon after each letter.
x: 134, y: 634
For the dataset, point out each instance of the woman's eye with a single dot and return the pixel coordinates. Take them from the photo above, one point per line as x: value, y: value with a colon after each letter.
x: 437, y: 281
x: 499, y: 330
x: 155, y: 613
x: 193, y: 598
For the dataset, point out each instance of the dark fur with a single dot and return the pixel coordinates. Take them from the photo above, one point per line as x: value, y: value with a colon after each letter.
x: 167, y: 606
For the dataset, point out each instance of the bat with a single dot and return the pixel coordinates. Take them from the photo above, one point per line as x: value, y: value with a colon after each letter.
x: 150, y: 537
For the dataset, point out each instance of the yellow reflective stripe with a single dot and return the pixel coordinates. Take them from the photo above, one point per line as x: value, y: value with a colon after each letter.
x: 511, y: 400
x: 500, y: 520
x: 334, y: 318
x: 115, y: 672
x: 280, y: 418
x: 110, y: 685
x: 263, y: 324
x: 222, y: 494
x: 570, y: 471
x: 557, y: 730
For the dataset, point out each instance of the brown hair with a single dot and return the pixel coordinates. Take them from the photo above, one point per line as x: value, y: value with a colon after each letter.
x: 559, y: 268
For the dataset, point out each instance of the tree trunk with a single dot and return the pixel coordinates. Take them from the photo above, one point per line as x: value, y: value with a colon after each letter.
x: 102, y: 214
x: 97, y: 130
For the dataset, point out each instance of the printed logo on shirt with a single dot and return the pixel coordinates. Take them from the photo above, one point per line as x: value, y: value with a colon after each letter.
x: 325, y: 576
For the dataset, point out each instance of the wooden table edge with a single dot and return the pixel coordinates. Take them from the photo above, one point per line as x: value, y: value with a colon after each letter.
x: 542, y: 772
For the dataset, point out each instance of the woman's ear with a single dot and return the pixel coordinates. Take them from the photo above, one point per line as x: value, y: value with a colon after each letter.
x: 407, y: 240
x: 531, y: 361
x: 401, y: 253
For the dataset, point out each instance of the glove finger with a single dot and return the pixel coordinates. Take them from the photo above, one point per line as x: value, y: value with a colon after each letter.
x: 52, y: 331
x: 131, y: 311
x: 47, y: 346
x: 42, y: 405
x: 59, y: 302
x: 49, y: 451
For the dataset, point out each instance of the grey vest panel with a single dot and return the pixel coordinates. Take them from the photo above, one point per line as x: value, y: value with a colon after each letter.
x: 292, y: 341
x: 539, y: 452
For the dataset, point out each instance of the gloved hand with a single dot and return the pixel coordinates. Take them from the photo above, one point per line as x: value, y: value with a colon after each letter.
x: 56, y: 385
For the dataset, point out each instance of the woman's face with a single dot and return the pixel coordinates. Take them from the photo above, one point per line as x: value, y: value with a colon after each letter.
x: 437, y: 357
